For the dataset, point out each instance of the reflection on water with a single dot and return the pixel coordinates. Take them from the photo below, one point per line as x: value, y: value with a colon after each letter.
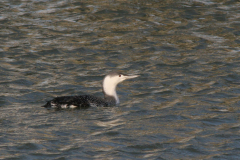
x: 183, y: 106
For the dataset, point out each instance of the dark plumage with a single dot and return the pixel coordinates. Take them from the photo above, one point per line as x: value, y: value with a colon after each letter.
x: 83, y: 101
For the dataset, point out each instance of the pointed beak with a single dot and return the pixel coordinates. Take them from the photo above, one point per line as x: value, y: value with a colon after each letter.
x: 130, y: 76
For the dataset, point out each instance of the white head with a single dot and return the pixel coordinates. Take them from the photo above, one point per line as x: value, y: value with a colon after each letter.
x: 111, y: 81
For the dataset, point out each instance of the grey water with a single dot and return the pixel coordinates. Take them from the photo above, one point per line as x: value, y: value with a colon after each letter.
x: 184, y: 105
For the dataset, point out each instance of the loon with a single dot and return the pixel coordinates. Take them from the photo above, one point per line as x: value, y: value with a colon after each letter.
x: 110, y: 83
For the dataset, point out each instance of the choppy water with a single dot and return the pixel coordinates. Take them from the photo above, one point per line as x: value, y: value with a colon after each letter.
x: 185, y: 104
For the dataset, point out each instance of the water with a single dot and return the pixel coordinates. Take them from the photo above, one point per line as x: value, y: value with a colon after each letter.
x: 185, y: 104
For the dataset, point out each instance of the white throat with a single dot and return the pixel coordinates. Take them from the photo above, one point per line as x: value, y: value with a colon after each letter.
x: 109, y: 86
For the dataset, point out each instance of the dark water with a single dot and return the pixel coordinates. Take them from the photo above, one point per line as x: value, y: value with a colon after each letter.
x: 185, y: 104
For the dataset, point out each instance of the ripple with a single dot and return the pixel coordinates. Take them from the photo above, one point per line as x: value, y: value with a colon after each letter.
x: 184, y: 105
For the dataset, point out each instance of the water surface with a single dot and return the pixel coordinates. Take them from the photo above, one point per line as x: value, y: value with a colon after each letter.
x: 185, y: 104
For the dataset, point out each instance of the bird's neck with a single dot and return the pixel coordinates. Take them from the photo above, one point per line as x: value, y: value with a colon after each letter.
x: 109, y: 90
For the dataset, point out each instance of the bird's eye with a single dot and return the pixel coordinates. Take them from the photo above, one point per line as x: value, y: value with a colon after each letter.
x: 120, y: 75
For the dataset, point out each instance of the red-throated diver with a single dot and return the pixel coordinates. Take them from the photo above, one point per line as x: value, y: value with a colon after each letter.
x: 110, y: 83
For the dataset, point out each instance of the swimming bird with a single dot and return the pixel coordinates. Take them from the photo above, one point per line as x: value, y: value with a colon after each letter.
x: 110, y: 83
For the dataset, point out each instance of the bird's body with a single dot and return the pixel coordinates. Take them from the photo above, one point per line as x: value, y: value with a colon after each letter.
x: 84, y: 101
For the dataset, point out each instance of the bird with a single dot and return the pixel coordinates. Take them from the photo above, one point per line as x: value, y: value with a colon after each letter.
x: 109, y: 85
